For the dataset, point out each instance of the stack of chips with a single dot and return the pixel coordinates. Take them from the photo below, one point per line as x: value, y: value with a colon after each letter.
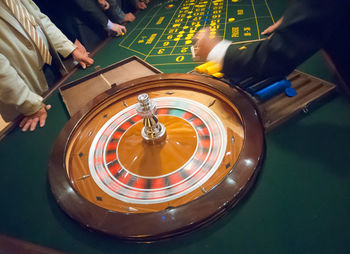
x: 210, y: 68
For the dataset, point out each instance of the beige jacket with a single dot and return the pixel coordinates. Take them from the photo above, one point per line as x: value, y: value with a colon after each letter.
x: 22, y: 80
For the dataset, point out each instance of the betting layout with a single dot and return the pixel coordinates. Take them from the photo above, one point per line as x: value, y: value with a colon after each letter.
x: 164, y: 34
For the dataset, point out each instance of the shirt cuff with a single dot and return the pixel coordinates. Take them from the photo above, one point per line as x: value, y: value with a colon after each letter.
x: 217, y: 54
x: 109, y: 25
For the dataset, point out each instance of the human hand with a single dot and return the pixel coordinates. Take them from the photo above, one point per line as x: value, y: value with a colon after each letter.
x: 81, y: 55
x: 204, y: 44
x: 104, y: 4
x: 32, y: 121
x: 129, y: 17
x: 141, y: 5
x: 272, y: 28
x: 118, y: 29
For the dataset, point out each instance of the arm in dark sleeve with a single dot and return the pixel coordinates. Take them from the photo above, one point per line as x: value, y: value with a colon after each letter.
x: 115, y: 13
x: 92, y: 12
x: 306, y: 28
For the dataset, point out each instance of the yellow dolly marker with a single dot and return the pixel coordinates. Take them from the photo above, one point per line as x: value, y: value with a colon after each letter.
x: 213, y: 69
x: 218, y: 75
x: 201, y: 68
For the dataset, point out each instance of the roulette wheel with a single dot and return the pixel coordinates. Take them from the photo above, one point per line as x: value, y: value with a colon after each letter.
x: 157, y: 156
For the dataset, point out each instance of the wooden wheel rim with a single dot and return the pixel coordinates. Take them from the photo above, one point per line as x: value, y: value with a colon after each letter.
x: 152, y: 226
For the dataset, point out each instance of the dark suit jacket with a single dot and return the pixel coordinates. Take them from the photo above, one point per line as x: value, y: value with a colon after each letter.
x: 78, y: 19
x: 308, y: 26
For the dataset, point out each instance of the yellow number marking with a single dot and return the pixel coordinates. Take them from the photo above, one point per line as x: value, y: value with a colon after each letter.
x: 180, y: 58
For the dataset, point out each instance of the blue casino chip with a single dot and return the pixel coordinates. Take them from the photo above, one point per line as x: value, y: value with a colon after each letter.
x: 290, y: 92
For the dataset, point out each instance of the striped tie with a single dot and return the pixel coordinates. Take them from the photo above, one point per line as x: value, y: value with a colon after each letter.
x: 29, y: 24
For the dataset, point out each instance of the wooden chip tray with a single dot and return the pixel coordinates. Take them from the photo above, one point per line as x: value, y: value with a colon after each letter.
x: 77, y: 93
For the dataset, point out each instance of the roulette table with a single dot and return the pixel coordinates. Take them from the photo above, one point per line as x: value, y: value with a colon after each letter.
x: 163, y: 36
x: 299, y: 202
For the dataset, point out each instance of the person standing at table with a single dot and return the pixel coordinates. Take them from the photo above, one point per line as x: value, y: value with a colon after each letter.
x: 29, y: 40
x: 84, y: 20
x: 307, y: 26
x: 114, y: 11
x: 90, y: 12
